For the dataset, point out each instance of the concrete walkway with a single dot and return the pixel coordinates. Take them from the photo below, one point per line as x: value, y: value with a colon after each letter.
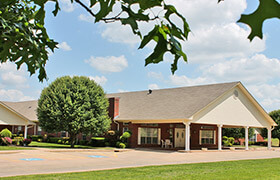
x: 43, y: 161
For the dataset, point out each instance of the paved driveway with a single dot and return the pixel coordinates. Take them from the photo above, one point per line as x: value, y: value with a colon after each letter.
x: 44, y: 161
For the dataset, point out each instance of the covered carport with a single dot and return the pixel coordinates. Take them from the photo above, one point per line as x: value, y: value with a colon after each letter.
x: 234, y: 109
x: 11, y: 118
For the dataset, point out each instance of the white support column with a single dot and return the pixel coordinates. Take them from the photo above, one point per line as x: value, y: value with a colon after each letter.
x: 246, y: 138
x: 25, y: 131
x: 269, y: 138
x: 187, y: 136
x: 220, y: 137
x: 34, y: 129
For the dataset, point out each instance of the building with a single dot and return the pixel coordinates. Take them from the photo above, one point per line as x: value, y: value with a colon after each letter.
x: 187, y: 117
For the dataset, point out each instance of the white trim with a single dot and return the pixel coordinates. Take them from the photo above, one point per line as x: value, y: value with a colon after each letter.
x: 139, y: 136
x: 159, y: 136
x: 25, y: 131
x: 246, y: 138
x: 269, y: 138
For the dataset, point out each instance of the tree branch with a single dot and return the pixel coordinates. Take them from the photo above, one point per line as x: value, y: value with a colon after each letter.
x: 84, y: 6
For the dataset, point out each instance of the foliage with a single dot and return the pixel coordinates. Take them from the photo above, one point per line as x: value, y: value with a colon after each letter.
x: 75, y: 105
x: 6, y: 133
x: 26, y: 142
x: 237, y: 133
x: 6, y: 141
x: 267, y: 9
x: 228, y: 141
x: 122, y: 145
x: 36, y: 137
x: 98, y: 142
x: 24, y: 38
x: 275, y: 115
x: 18, y: 141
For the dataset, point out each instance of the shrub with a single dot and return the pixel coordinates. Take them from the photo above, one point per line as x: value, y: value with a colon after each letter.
x: 18, y: 141
x: 40, y: 140
x: 83, y: 142
x: 228, y: 141
x: 125, y: 135
x: 6, y: 141
x: 122, y: 145
x: 53, y: 139
x: 6, y: 133
x: 26, y: 142
x: 36, y: 137
x: 97, y: 142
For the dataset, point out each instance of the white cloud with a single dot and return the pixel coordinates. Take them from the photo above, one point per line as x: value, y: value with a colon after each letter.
x: 86, y: 18
x: 217, y: 43
x: 155, y: 75
x: 101, y: 80
x: 108, y: 64
x: 255, y: 70
x: 64, y: 46
x: 153, y: 86
x: 13, y: 95
x: 66, y: 5
x: 12, y: 77
x: 267, y: 94
x: 115, y: 32
x: 186, y: 81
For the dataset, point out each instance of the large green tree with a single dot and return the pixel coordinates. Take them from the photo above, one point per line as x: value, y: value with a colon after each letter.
x: 73, y: 104
x: 24, y: 39
x: 275, y: 115
x: 237, y: 133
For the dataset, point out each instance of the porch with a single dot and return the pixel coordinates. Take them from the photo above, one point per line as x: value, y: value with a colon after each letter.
x: 173, y: 136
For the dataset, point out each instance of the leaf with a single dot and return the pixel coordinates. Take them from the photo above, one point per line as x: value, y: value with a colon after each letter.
x: 149, y: 37
x: 267, y: 9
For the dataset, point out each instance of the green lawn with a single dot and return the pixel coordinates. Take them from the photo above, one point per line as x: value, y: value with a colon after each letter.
x: 53, y: 145
x: 245, y: 169
x: 7, y: 148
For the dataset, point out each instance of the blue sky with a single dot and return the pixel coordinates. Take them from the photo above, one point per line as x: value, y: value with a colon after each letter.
x: 218, y: 51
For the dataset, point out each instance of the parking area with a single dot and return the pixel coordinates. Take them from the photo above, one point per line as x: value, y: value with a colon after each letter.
x: 42, y: 161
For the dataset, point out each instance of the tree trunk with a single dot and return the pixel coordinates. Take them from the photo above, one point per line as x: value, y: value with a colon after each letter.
x: 72, y: 139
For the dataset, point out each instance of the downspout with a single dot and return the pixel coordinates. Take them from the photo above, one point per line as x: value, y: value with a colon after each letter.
x: 118, y: 125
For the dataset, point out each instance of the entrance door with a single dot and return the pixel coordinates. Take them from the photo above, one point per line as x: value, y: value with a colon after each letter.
x: 179, y: 137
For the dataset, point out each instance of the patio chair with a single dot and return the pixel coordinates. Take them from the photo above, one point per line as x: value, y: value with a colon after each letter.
x: 162, y: 143
x: 168, y: 143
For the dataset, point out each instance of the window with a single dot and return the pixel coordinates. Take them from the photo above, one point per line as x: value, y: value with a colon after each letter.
x: 125, y: 123
x: 19, y: 128
x: 207, y: 137
x: 149, y: 135
x: 39, y: 130
x: 63, y: 134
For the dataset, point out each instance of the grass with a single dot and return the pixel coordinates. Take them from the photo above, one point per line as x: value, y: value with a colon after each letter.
x: 54, y: 145
x: 244, y: 169
x: 8, y: 148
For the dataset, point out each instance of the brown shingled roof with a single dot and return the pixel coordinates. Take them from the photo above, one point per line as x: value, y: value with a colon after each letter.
x: 173, y: 103
x: 25, y: 108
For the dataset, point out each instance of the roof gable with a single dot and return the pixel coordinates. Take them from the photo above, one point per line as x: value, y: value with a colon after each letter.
x: 24, y: 108
x: 235, y: 108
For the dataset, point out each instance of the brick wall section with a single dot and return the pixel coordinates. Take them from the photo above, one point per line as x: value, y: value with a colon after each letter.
x: 195, y: 131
